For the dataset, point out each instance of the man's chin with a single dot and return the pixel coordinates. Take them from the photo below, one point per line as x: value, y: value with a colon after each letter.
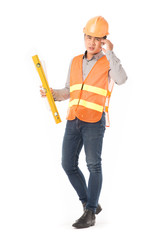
x: 93, y: 51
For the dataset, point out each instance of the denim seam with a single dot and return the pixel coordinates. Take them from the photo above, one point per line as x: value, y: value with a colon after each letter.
x: 77, y: 165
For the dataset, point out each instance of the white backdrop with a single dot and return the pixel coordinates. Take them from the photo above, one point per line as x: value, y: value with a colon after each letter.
x: 36, y: 198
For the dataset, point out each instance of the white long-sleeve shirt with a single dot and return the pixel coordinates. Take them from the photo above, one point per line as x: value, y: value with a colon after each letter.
x: 116, y: 72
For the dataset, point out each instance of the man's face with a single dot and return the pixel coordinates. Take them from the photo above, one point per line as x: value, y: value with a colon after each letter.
x: 92, y: 44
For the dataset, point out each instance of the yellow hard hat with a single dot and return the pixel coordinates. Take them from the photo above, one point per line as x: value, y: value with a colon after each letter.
x: 96, y: 27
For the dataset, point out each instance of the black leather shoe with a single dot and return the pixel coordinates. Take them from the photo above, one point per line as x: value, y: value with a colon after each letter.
x: 86, y: 220
x: 98, y: 209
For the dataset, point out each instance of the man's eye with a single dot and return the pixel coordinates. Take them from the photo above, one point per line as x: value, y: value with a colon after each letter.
x: 98, y: 39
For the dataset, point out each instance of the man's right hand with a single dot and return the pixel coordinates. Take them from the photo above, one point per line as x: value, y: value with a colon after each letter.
x: 43, y: 93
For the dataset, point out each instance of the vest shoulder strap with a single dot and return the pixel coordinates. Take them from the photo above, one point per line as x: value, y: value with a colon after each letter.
x: 78, y: 57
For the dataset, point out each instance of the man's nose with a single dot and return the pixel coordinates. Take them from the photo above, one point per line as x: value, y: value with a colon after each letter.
x: 93, y: 40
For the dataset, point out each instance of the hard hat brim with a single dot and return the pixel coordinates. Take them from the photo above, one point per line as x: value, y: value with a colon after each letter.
x: 93, y: 34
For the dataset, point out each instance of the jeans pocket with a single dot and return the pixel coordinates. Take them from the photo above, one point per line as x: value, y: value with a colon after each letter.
x: 103, y: 120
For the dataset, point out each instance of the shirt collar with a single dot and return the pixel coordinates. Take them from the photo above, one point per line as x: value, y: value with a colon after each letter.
x: 97, y: 56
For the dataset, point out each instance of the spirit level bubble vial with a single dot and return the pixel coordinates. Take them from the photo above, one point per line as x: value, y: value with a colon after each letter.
x: 46, y: 88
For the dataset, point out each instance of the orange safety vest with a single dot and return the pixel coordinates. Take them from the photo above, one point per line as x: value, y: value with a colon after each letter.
x: 88, y: 97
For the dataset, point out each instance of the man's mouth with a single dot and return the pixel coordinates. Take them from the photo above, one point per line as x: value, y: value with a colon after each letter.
x: 91, y: 48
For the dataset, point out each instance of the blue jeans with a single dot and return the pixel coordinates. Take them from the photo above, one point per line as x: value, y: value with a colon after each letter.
x: 89, y: 135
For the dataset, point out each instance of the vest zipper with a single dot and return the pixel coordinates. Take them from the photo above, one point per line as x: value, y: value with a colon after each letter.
x: 80, y: 96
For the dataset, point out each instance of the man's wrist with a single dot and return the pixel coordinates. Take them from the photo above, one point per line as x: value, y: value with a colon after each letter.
x: 109, y: 52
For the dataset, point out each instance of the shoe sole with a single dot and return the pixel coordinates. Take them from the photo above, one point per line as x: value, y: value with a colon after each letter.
x: 92, y: 224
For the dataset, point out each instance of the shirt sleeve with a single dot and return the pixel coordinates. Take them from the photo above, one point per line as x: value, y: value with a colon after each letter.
x: 116, y: 72
x: 64, y: 93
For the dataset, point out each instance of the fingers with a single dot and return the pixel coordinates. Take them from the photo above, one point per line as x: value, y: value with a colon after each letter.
x: 51, y: 90
x: 43, y: 92
x: 104, y: 41
x: 109, y: 45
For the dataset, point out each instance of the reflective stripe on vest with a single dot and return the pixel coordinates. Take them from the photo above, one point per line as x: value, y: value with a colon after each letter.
x: 86, y: 104
x: 89, y: 88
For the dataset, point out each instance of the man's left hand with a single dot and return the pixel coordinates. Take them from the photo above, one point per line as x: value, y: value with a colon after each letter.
x: 109, y: 45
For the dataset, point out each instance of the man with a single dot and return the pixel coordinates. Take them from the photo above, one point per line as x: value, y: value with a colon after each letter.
x: 89, y: 85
